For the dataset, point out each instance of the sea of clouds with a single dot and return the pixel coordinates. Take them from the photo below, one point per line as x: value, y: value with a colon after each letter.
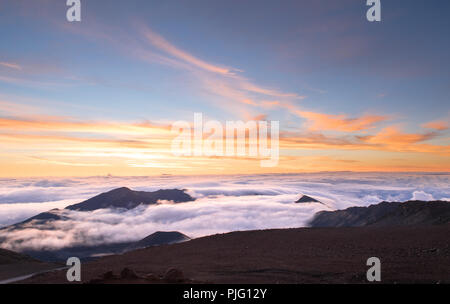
x: 224, y: 203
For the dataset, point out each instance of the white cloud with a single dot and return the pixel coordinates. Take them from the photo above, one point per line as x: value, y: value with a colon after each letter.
x: 14, y: 213
x: 422, y: 196
x: 203, y: 217
x: 225, y: 203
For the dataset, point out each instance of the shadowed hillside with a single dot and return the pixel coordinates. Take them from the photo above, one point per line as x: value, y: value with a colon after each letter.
x: 386, y: 214
x: 13, y: 264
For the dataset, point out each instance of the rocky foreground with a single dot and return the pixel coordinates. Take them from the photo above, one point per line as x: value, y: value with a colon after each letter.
x: 408, y: 254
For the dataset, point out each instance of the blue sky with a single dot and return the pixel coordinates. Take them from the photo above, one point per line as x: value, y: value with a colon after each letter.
x: 315, y: 48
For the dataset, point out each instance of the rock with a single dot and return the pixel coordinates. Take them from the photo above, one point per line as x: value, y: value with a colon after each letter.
x: 151, y: 277
x: 432, y: 250
x: 173, y: 275
x: 128, y: 273
x: 108, y: 275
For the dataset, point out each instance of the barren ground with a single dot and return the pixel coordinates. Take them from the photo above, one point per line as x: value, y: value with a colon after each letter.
x: 303, y: 255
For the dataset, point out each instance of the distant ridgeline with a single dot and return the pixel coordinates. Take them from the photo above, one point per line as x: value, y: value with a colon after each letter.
x: 386, y: 214
x: 129, y: 199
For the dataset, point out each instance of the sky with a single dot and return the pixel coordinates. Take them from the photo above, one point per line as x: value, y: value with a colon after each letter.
x: 99, y: 96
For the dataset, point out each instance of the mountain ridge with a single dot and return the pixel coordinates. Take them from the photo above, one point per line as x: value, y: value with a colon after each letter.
x: 126, y: 198
x: 386, y: 214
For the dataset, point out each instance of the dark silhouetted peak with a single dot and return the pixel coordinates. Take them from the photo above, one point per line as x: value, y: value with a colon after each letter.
x: 129, y: 199
x: 41, y: 218
x: 160, y: 238
x: 307, y: 199
x: 121, y: 190
x: 386, y: 214
x: 45, y: 216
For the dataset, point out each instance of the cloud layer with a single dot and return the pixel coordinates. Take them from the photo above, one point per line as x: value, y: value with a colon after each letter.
x: 225, y: 203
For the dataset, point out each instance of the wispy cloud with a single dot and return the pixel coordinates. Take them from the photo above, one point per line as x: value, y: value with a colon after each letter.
x: 439, y: 125
x: 162, y: 44
x: 11, y: 65
x: 388, y: 139
x: 67, y: 124
x: 235, y: 92
x: 226, y: 82
x: 393, y: 136
x: 223, y: 85
x: 320, y: 121
x: 66, y: 163
x: 11, y: 108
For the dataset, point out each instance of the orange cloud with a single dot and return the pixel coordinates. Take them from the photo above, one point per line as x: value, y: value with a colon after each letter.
x: 260, y: 117
x: 62, y: 146
x: 438, y: 125
x: 393, y: 136
x: 63, y: 124
x: 320, y: 121
x: 387, y: 140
